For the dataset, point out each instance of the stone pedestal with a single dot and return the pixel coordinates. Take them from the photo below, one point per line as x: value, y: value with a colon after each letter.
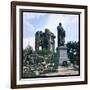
x: 62, y: 54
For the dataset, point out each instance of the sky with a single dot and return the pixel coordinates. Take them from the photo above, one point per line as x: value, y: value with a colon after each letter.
x: 33, y: 22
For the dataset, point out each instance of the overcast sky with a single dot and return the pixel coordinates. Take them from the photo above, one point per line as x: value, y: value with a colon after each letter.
x: 33, y: 22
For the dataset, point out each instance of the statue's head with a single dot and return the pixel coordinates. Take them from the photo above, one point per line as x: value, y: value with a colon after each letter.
x: 60, y: 24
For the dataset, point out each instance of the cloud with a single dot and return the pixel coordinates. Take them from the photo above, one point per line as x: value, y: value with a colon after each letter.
x: 29, y: 28
x: 30, y: 23
x: 31, y: 16
x: 71, y: 25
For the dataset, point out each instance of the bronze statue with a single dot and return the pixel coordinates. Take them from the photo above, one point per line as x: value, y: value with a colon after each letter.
x: 61, y: 35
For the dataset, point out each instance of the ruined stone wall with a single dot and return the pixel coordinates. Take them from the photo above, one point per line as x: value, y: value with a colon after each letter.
x: 45, y: 40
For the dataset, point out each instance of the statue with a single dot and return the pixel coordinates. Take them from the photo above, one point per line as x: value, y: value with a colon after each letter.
x: 61, y: 35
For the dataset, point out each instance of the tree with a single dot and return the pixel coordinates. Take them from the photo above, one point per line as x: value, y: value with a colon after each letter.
x: 37, y: 63
x: 26, y: 55
x: 73, y: 50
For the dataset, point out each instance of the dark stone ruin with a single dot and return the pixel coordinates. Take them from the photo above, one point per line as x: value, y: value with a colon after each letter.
x: 45, y: 40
